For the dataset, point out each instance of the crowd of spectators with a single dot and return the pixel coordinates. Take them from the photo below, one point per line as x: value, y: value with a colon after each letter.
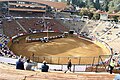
x: 32, y: 26
x: 4, y: 50
x: 24, y: 63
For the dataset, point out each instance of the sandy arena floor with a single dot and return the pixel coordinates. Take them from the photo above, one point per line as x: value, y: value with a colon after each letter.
x: 63, y: 47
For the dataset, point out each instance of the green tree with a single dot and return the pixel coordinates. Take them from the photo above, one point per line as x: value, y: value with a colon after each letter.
x: 115, y: 18
x: 97, y: 4
x: 114, y: 5
x: 90, y: 4
x: 86, y: 13
x: 111, y: 6
x: 79, y: 3
x: 104, y: 5
x: 74, y: 2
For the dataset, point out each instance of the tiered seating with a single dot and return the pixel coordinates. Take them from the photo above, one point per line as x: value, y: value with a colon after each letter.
x: 3, y: 39
x: 38, y: 24
x: 72, y: 25
x: 71, y: 22
x: 108, y: 32
x: 111, y: 34
x: 11, y: 28
x: 62, y: 15
x: 102, y: 29
x: 4, y: 50
x: 115, y: 44
x: 25, y: 14
x: 33, y: 24
x: 70, y: 76
x: 56, y: 26
x: 92, y: 26
x: 10, y: 73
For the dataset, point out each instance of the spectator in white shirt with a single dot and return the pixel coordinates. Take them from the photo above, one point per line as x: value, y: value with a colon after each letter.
x: 28, y: 65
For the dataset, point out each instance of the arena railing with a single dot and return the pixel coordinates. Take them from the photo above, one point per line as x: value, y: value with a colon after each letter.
x: 89, y: 64
x: 81, y: 66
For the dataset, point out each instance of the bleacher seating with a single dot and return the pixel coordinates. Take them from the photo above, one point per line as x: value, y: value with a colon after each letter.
x: 69, y: 22
x: 105, y: 31
x: 11, y: 28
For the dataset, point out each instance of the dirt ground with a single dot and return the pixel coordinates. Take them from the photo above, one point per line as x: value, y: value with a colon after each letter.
x: 63, y: 47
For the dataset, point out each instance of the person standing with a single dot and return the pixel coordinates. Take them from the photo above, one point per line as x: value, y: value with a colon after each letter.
x: 44, y: 67
x: 112, y: 65
x: 69, y: 65
x: 19, y: 65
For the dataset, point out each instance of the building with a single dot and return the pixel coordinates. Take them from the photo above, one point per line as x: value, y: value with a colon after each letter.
x: 30, y: 5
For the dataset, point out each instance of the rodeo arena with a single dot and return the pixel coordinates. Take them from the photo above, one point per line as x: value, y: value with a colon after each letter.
x: 39, y: 41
